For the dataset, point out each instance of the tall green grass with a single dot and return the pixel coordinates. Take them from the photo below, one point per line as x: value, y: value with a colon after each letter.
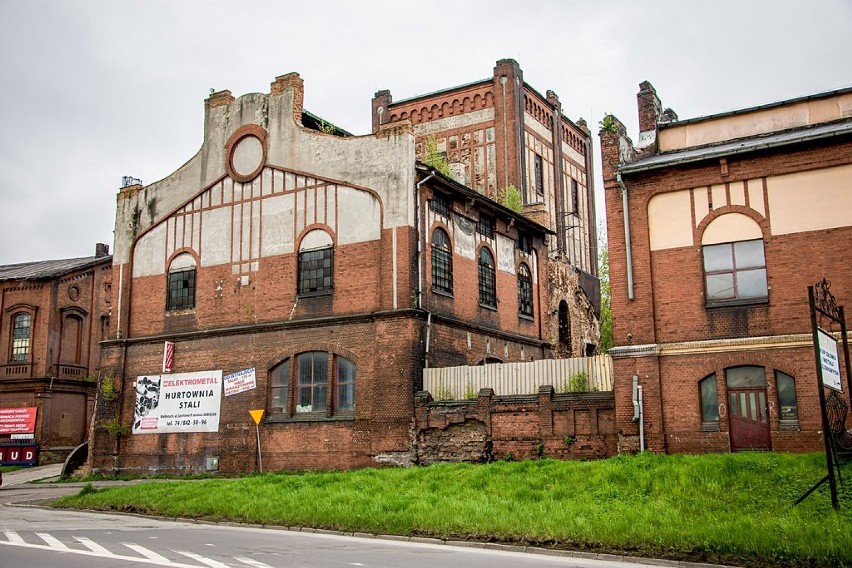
x: 729, y: 508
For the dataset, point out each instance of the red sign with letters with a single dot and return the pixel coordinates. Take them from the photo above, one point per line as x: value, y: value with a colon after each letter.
x: 17, y: 420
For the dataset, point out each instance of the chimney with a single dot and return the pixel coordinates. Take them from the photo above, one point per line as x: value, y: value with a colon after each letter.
x: 381, y: 108
x: 101, y: 249
x: 650, y: 107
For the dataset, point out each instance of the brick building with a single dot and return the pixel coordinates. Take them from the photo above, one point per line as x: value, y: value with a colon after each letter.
x: 293, y: 268
x: 54, y: 313
x: 716, y: 227
x: 501, y: 133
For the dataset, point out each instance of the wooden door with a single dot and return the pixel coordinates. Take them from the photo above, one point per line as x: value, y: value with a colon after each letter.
x: 749, y: 419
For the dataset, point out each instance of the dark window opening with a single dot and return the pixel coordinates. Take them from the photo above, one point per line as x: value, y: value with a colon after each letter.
x: 487, y: 279
x: 525, y: 292
x: 181, y: 290
x: 315, y: 271
x: 485, y: 226
x: 440, y: 205
x: 442, y: 262
x: 539, y: 175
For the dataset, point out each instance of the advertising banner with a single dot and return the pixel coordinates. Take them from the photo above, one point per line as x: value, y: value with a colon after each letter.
x: 240, y: 381
x: 17, y: 420
x: 180, y: 402
x: 828, y: 361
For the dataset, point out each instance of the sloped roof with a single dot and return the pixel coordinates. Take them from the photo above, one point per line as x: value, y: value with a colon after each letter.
x: 47, y: 269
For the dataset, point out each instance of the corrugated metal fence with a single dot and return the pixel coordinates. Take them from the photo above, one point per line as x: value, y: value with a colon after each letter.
x: 578, y: 374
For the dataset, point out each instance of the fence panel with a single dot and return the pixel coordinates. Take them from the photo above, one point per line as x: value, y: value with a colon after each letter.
x: 565, y: 375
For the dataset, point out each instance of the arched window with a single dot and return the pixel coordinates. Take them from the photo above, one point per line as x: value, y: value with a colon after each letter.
x: 788, y: 407
x: 442, y: 262
x: 301, y: 386
x: 316, y: 264
x: 525, y: 293
x: 734, y: 261
x: 487, y: 279
x: 21, y: 323
x: 709, y: 403
x: 181, y: 283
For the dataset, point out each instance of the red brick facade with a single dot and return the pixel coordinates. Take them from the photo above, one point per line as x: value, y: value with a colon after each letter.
x: 694, y: 185
x: 52, y: 362
x: 240, y: 242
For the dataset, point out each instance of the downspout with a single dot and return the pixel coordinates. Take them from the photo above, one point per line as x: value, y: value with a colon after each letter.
x: 420, y: 263
x: 628, y: 247
x: 639, y: 411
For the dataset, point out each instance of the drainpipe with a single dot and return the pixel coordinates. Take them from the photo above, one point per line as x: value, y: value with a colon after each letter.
x: 627, y: 245
x: 420, y: 264
x: 641, y: 422
x: 635, y: 397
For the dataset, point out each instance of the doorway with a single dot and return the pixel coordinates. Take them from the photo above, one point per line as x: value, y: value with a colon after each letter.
x: 747, y: 408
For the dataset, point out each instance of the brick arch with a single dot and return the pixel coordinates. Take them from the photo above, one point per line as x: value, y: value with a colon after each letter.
x: 327, y: 346
x: 312, y: 227
x: 761, y: 221
x: 183, y: 250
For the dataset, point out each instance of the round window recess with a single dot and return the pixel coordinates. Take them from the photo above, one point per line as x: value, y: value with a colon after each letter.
x: 73, y: 293
x: 247, y: 157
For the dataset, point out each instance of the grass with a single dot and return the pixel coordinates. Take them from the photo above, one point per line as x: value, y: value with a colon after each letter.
x: 5, y: 468
x: 724, y: 508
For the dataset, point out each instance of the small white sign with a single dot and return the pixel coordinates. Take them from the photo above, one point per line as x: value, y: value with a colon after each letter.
x: 23, y: 436
x: 240, y: 381
x: 829, y: 360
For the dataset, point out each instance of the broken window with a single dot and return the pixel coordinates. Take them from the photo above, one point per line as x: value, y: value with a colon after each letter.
x: 181, y: 283
x: 525, y: 292
x: 487, y: 279
x: 442, y: 262
x: 316, y: 264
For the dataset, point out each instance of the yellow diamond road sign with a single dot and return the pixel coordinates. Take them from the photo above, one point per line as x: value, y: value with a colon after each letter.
x: 257, y: 415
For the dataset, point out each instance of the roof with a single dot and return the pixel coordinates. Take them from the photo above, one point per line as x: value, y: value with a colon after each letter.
x: 740, y: 146
x: 47, y: 269
x: 482, y: 199
x: 439, y: 92
x: 748, y: 110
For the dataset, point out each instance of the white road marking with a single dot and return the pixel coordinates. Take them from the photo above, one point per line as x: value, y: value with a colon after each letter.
x: 203, y: 560
x: 52, y: 541
x: 166, y: 562
x: 91, y: 545
x: 14, y: 537
x: 251, y: 562
x: 149, y: 554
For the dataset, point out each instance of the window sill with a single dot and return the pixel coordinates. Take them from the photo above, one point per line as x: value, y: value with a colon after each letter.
x: 526, y: 318
x: 736, y: 302
x: 488, y: 307
x: 709, y: 426
x: 315, y: 294
x: 180, y: 312
x: 789, y: 425
x: 443, y: 293
x: 307, y: 417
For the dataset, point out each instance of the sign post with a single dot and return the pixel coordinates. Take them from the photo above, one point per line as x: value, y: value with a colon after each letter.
x: 257, y: 415
x: 823, y: 305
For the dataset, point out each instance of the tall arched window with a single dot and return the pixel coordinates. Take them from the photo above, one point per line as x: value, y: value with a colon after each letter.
x: 181, y: 283
x: 316, y: 264
x: 708, y: 394
x: 525, y: 292
x: 72, y: 334
x: 442, y: 262
x: 487, y: 279
x: 21, y: 323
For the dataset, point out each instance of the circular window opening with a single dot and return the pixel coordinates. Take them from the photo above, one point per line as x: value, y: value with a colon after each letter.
x: 247, y: 157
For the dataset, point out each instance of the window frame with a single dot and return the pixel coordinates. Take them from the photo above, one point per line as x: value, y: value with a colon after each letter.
x: 790, y: 422
x: 735, y: 273
x: 20, y: 347
x: 526, y: 303
x: 319, y: 274
x: 487, y: 279
x: 442, y: 262
x: 286, y: 386
x: 709, y: 423
x: 485, y: 225
x: 181, y: 297
x: 538, y: 173
x: 440, y: 204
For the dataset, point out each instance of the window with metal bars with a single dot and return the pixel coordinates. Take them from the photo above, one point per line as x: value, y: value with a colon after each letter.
x: 316, y: 268
x: 539, y: 175
x: 487, y: 279
x: 181, y: 293
x: 525, y: 293
x: 485, y: 226
x: 440, y: 205
x: 21, y: 337
x: 442, y: 262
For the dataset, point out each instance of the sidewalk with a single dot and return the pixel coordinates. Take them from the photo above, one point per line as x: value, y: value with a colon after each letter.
x: 27, y: 474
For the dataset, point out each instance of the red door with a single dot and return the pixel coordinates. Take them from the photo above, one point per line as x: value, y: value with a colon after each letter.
x: 749, y: 419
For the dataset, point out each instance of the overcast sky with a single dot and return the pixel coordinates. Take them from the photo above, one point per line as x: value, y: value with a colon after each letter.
x: 92, y: 91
